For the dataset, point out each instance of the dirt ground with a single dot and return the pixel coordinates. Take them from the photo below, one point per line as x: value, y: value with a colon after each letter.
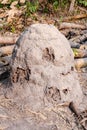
x: 15, y: 116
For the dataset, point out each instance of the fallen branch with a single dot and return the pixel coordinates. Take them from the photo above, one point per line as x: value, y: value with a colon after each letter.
x: 80, y: 63
x: 82, y: 9
x: 76, y: 17
x: 66, y: 25
x: 72, y: 6
x: 76, y: 39
x: 6, y: 50
x: 8, y: 40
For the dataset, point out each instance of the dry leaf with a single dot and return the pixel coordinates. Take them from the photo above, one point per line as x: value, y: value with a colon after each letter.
x: 14, y: 4
x: 5, y: 1
x: 11, y: 14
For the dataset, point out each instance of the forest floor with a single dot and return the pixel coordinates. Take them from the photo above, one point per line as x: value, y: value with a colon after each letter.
x: 14, y: 21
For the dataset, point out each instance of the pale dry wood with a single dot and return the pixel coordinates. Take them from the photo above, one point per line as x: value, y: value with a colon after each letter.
x: 66, y: 25
x: 6, y: 50
x: 76, y: 17
x: 72, y: 5
x: 82, y: 9
x: 8, y: 40
x: 74, y: 39
x: 69, y: 18
x: 80, y: 63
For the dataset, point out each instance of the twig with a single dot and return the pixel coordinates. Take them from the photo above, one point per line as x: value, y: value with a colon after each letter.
x: 82, y: 9
x: 72, y: 5
x: 76, y: 17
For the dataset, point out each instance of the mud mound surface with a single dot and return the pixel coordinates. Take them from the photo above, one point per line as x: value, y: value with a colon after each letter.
x: 42, y: 81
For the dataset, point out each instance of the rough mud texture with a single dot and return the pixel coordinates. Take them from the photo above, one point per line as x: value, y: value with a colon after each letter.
x: 43, y: 64
x: 42, y: 77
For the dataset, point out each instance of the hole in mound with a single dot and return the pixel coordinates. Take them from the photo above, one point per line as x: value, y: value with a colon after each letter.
x: 48, y: 54
x: 20, y: 75
x: 53, y: 93
x: 65, y: 91
x: 72, y: 68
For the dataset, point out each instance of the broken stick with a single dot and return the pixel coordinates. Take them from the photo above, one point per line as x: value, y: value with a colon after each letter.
x: 8, y: 40
x: 66, y: 25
